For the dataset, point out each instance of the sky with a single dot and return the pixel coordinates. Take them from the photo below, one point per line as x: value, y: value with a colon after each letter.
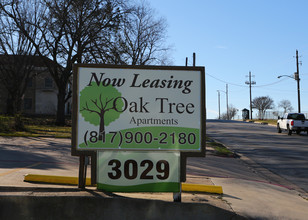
x: 233, y: 38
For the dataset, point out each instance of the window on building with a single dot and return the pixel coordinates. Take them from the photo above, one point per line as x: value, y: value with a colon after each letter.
x: 27, y: 103
x: 48, y: 82
x: 30, y: 82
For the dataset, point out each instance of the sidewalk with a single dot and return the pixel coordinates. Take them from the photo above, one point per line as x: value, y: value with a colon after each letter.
x: 246, y: 190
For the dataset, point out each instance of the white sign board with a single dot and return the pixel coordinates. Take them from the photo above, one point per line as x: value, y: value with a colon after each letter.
x: 142, y: 108
x: 138, y: 171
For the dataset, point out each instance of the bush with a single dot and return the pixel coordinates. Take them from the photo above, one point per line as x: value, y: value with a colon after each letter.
x: 43, y: 120
x: 6, y: 124
x: 10, y: 124
x: 19, y: 125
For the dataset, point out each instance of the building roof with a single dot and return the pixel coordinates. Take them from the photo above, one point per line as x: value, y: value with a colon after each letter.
x: 36, y: 61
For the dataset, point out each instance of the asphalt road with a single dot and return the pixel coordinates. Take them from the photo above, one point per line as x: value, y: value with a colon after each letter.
x: 286, y: 156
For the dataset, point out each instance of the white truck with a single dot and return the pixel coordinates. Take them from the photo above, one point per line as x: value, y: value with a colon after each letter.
x: 292, y: 122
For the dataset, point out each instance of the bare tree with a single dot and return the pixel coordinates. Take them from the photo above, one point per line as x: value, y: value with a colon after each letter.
x: 286, y: 105
x: 262, y: 103
x: 16, y: 62
x: 141, y: 39
x: 67, y: 32
x: 232, y: 111
x: 90, y: 31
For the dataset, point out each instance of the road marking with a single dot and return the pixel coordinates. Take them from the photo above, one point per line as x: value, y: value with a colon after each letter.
x: 18, y: 169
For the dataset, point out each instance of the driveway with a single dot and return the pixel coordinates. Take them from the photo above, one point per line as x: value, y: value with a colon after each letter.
x: 20, y: 156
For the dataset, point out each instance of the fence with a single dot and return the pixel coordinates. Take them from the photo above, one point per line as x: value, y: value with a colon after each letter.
x: 268, y: 115
x: 275, y: 114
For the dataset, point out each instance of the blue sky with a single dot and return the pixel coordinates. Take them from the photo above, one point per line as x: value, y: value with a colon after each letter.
x: 231, y: 38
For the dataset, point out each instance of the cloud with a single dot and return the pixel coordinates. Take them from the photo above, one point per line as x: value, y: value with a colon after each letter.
x: 221, y: 47
x: 211, y: 114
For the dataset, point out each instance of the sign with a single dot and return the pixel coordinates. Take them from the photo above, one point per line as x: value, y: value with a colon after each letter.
x: 138, y: 171
x: 144, y: 108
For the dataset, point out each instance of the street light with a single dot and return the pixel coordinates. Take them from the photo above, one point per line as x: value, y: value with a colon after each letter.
x: 296, y: 77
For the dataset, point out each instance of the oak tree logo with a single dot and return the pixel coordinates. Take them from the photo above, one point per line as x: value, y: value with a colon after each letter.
x: 100, y: 105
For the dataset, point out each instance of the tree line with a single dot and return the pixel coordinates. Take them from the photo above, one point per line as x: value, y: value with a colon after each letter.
x: 262, y: 104
x: 64, y: 32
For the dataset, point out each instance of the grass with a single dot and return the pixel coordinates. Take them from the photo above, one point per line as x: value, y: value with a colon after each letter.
x: 33, y: 127
x: 269, y: 121
x: 220, y: 149
x: 50, y: 130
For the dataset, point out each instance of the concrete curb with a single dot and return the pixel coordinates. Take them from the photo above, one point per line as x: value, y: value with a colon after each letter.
x: 74, y: 181
x: 96, y: 207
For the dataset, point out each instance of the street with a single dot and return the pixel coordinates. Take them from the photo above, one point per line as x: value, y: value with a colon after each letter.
x: 283, y: 155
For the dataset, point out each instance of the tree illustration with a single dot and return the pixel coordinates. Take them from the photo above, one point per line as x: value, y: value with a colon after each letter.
x: 99, y: 105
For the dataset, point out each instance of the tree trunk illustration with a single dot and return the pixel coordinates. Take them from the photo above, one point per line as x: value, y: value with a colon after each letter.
x: 102, y: 127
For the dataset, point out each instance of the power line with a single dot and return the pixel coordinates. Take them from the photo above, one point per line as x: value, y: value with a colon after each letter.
x: 234, y: 84
x: 273, y: 83
x: 224, y: 81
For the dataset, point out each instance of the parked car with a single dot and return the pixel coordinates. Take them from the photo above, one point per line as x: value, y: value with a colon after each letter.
x: 292, y: 122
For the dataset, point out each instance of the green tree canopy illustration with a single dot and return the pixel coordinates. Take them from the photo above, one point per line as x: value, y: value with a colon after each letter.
x: 98, y: 105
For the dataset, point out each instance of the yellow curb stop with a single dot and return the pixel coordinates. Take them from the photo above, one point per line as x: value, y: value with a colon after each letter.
x: 186, y: 187
x: 54, y: 179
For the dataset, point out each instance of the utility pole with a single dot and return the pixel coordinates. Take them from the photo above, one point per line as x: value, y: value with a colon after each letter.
x: 296, y: 77
x: 218, y: 104
x: 250, y: 83
x: 227, y: 101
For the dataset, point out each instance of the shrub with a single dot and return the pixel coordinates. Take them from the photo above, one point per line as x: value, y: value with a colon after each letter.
x: 6, y: 124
